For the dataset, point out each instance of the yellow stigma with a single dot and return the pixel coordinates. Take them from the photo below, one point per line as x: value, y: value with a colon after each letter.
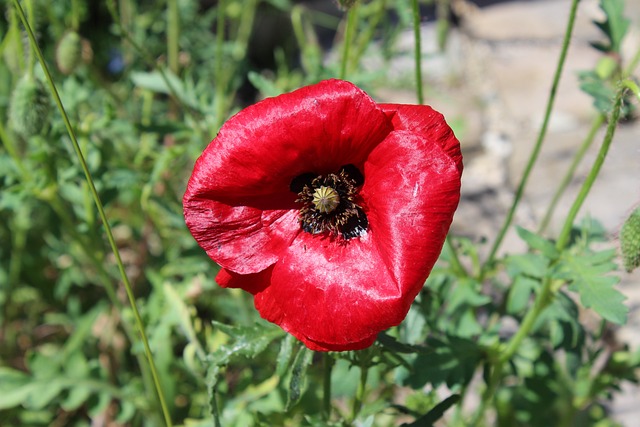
x: 326, y: 199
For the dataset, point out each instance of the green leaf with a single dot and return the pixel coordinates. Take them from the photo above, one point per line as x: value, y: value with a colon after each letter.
x: 532, y: 265
x: 246, y: 341
x: 452, y: 360
x: 298, y: 376
x: 586, y: 276
x: 14, y: 387
x: 284, y: 356
x: 428, y: 419
x: 614, y: 26
x: 520, y: 294
x: 538, y: 242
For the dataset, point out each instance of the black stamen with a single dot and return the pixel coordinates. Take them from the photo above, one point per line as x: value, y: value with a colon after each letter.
x: 299, y: 182
x: 353, y: 173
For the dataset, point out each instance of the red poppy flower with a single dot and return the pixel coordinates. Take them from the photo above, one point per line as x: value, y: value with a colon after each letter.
x: 329, y: 208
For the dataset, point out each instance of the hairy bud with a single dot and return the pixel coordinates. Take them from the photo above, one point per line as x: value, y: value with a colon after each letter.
x: 29, y: 108
x: 630, y: 241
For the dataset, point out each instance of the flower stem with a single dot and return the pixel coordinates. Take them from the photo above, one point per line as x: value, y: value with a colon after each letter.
x: 565, y: 234
x: 173, y: 34
x: 326, y: 397
x: 362, y: 385
x: 352, y: 19
x: 545, y: 296
x: 586, y: 144
x: 541, y: 136
x: 101, y: 211
x: 219, y: 69
x: 417, y: 50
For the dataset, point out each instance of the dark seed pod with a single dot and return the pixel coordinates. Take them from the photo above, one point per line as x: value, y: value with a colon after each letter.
x: 29, y: 108
x: 630, y: 241
x: 69, y: 52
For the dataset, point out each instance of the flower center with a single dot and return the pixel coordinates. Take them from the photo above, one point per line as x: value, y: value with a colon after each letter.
x: 329, y: 202
x: 326, y: 199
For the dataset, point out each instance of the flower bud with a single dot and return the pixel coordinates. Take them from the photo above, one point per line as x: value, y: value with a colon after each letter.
x: 630, y: 241
x: 29, y: 108
x: 69, y: 52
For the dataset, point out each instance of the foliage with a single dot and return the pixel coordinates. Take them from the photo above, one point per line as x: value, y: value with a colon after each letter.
x: 143, y: 105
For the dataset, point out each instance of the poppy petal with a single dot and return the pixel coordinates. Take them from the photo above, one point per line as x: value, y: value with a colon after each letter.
x: 424, y: 120
x: 339, y: 294
x: 238, y: 204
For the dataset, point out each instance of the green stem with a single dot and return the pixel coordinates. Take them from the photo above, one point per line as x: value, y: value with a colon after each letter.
x: 565, y: 234
x: 586, y: 144
x: 418, y: 50
x: 173, y: 35
x: 32, y: 58
x: 352, y: 19
x: 362, y: 386
x: 364, y: 40
x: 101, y: 212
x: 545, y: 296
x: 219, y: 104
x: 326, y: 396
x: 541, y: 136
x: 454, y: 260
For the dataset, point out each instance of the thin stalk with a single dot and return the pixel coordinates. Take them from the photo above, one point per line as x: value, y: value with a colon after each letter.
x: 327, y: 362
x: 101, y: 212
x: 545, y: 296
x: 586, y: 144
x: 219, y: 70
x: 352, y: 20
x: 31, y: 59
x: 541, y: 136
x: 418, y: 50
x: 362, y: 386
x: 173, y: 35
x: 563, y: 239
x: 454, y: 260
x: 365, y: 39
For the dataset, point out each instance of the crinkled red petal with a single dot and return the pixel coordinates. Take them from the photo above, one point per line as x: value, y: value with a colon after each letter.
x: 338, y: 294
x: 238, y: 204
x: 424, y: 120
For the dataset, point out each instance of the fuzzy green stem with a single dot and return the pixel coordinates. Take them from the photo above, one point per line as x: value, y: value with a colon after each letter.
x: 326, y: 396
x: 362, y: 386
x: 545, y: 296
x: 565, y: 234
x: 173, y: 35
x: 541, y: 136
x: 101, y: 212
x: 454, y: 260
x: 418, y: 50
x: 352, y: 20
x: 586, y: 144
x: 364, y: 40
x: 219, y: 68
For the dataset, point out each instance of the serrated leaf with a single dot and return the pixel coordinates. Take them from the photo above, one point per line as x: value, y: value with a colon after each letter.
x: 298, y: 376
x: 532, y: 265
x: 534, y: 241
x: 428, y: 419
x: 395, y: 346
x: 246, y: 341
x: 614, y: 26
x: 452, y: 361
x: 586, y: 274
